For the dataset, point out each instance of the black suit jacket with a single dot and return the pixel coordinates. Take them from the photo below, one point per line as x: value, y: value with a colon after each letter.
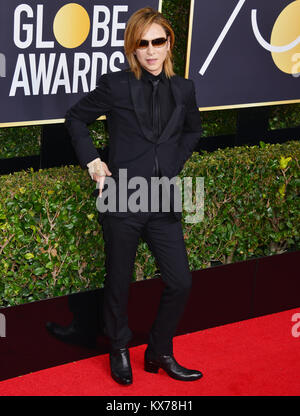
x: 119, y: 96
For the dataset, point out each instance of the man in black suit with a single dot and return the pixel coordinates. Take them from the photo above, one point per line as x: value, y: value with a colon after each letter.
x: 154, y: 126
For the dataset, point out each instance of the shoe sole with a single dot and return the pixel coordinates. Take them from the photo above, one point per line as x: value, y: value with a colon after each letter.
x: 151, y: 367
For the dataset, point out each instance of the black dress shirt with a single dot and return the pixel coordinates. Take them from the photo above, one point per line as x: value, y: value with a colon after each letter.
x: 164, y: 105
x: 165, y: 96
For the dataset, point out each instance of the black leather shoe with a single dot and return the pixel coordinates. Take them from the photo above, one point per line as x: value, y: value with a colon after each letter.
x: 168, y: 363
x: 120, y: 366
x: 71, y: 335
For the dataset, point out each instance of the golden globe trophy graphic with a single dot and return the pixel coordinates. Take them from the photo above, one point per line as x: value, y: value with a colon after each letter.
x: 285, y: 39
x: 71, y: 25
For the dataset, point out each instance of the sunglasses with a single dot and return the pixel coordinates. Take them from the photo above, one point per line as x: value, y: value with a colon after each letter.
x: 156, y: 43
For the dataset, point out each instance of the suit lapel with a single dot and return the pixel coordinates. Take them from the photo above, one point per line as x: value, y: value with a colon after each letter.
x: 175, y: 117
x: 141, y: 109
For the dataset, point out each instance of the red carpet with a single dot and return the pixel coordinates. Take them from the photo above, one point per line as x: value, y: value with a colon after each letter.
x: 257, y: 357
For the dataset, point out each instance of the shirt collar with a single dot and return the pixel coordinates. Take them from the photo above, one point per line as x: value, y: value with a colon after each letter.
x: 147, y: 76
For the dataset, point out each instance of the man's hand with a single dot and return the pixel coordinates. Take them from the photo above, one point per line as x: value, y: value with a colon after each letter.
x: 101, y: 177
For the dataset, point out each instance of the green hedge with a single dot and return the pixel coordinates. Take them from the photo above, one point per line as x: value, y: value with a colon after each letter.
x: 51, y: 243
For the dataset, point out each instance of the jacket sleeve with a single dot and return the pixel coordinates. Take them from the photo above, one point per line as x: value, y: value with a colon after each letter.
x: 96, y: 103
x: 192, y: 128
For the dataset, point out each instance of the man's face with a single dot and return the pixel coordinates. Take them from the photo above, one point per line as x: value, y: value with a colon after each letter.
x: 152, y: 58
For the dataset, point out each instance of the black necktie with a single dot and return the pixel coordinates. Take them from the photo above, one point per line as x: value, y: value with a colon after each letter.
x: 155, y: 109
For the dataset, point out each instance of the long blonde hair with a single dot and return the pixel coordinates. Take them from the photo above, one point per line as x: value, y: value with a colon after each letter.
x: 135, y: 28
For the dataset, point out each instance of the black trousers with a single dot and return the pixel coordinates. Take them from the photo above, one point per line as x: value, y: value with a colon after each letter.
x: 164, y: 236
